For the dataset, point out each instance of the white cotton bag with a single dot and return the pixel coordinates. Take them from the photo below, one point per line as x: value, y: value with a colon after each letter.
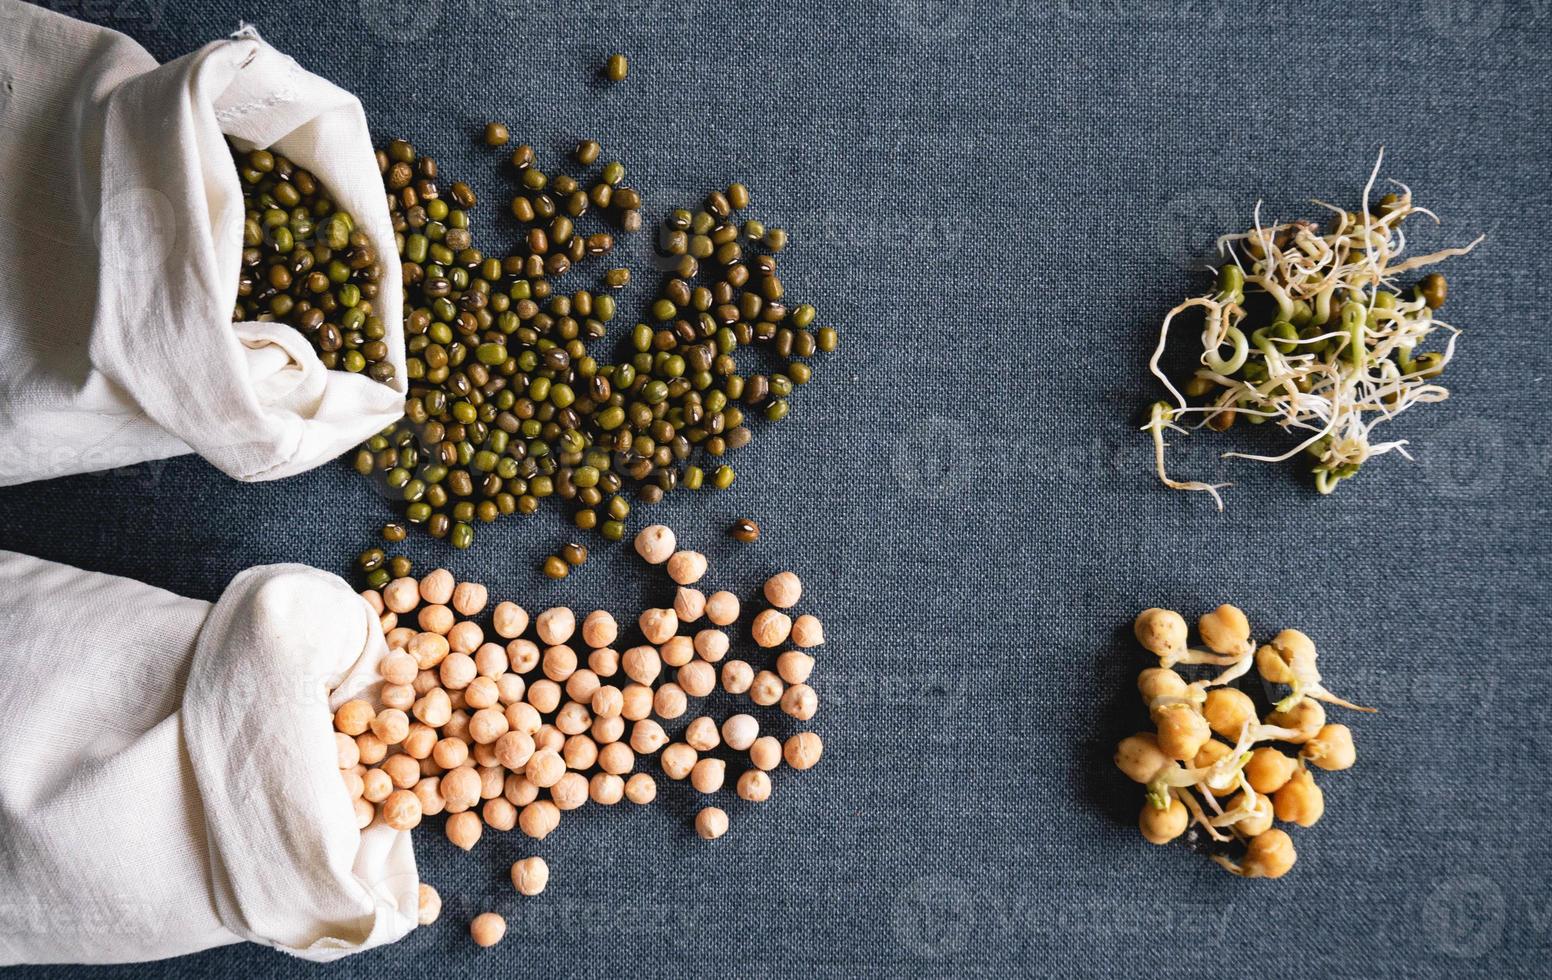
x: 170, y: 779
x: 121, y: 219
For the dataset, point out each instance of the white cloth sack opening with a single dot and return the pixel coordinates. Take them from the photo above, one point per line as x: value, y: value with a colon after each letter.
x: 121, y: 219
x: 170, y: 779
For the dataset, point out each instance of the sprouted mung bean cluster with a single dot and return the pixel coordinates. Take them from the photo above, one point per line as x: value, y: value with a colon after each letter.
x: 304, y: 263
x: 504, y: 721
x: 507, y: 406
x: 1212, y: 760
x: 1322, y: 333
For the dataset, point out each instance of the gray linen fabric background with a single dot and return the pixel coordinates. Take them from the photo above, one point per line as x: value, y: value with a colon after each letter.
x: 995, y: 202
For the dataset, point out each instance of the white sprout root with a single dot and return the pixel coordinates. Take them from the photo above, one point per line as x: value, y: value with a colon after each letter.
x: 1340, y: 354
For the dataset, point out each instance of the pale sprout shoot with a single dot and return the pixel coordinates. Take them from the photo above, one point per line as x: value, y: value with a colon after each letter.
x: 1315, y: 332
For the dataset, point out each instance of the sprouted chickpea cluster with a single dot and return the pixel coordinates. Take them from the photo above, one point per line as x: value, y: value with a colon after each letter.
x: 1213, y: 760
x: 508, y: 721
x: 1319, y: 332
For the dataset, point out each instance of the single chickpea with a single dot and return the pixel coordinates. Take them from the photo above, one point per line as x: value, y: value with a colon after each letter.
x: 689, y: 604
x: 765, y: 753
x: 560, y: 662
x: 549, y: 737
x: 355, y: 786
x: 365, y: 813
x: 399, y: 637
x: 523, y: 717
x: 1268, y: 769
x: 607, y: 730
x: 739, y: 731
x: 737, y: 677
x: 582, y: 685
x: 722, y: 608
x: 456, y: 699
x: 783, y: 590
x: 487, y: 929
x: 677, y: 651
x: 398, y: 668
x: 755, y: 786
x: 1211, y: 754
x: 401, y: 595
x: 509, y: 620
x: 573, y: 718
x: 569, y: 792
x: 1228, y: 711
x: 605, y: 661
x: 482, y: 692
x: 701, y: 734
x: 456, y: 671
x: 636, y: 702
x: 514, y: 749
x: 771, y: 628
x: 687, y: 567
x: 579, y: 752
x: 1160, y: 682
x: 1299, y: 801
x: 607, y: 701
x: 1162, y: 632
x: 807, y: 631
x: 544, y: 769
x: 429, y: 792
x: 1331, y: 748
x: 669, y: 701
x: 374, y: 599
x: 376, y: 786
x: 371, y: 748
x: 345, y: 749
x: 795, y: 667
x: 605, y: 788
x: 599, y: 629
x: 430, y: 905
x: 1258, y: 820
x: 1269, y: 855
x: 711, y: 645
x: 711, y: 823
x: 401, y: 696
x: 766, y: 689
x: 647, y: 736
x: 655, y: 543
x: 698, y: 678
x: 401, y: 810
x: 523, y: 656
x: 461, y: 788
x: 677, y: 760
x: 519, y: 790
x: 641, y: 664
x: 802, y: 751
x: 544, y: 694
x: 499, y: 814
x: 1140, y: 757
x: 1306, y: 718
x: 530, y: 875
x: 641, y: 789
x: 465, y: 637
x: 1162, y: 826
x: 403, y: 770
x: 388, y: 622
x: 490, y: 660
x: 555, y: 625
x: 391, y: 725
x: 469, y: 598
x: 800, y: 701
x: 487, y: 725
x: 657, y: 625
x: 354, y: 717
x: 1182, y: 730
x: 437, y: 587
x: 428, y: 649
x: 1225, y: 630
x: 1289, y: 653
x: 484, y: 756
x: 434, y: 708
x: 616, y: 758
x: 538, y: 819
x: 457, y: 727
x: 435, y: 619
x: 426, y: 681
x: 707, y: 775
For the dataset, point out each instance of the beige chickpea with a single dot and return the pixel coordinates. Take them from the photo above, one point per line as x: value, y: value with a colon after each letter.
x: 549, y: 737
x: 687, y: 567
x: 398, y: 668
x: 461, y: 788
x: 783, y: 590
x: 484, y: 756
x: 641, y: 789
x: 737, y: 676
x: 455, y: 698
x: 1162, y: 826
x: 1228, y: 711
x: 434, y: 708
x: 689, y: 604
x: 544, y: 769
x: 579, y: 752
x: 607, y: 701
x: 560, y: 662
x: 1160, y: 682
x: 573, y: 718
x: 807, y: 631
x: 657, y: 625
x: 487, y: 929
x: 490, y: 660
x: 539, y: 819
x: 354, y: 717
x: 771, y: 628
x: 711, y: 645
x: 605, y: 788
x: 469, y: 598
x: 616, y: 758
x: 430, y: 905
x: 1210, y: 755
x: 347, y: 754
x: 677, y: 760
x: 647, y: 736
x: 765, y: 753
x: 523, y: 717
x: 375, y: 786
x: 605, y: 661
x: 1140, y: 757
x: 456, y: 671
x: 722, y: 608
x: 800, y: 701
x: 499, y: 814
x: 1299, y: 801
x: 636, y: 702
x: 739, y: 731
x: 1182, y: 730
x: 1268, y: 769
x: 1331, y: 748
x: 403, y: 770
x: 388, y: 622
x: 599, y: 629
x: 435, y: 619
x: 766, y: 689
x: 482, y: 692
x: 544, y: 694
x: 374, y: 599
x: 426, y: 681
x: 707, y: 775
x: 450, y: 753
x: 606, y: 730
x: 655, y: 543
x: 429, y: 792
x: 702, y: 735
x: 437, y: 587
x: 1269, y: 854
x: 401, y: 810
x: 457, y: 726
x: 677, y: 651
x: 530, y: 876
x: 641, y: 664
x: 803, y: 750
x: 669, y: 701
x: 509, y: 620
x: 428, y: 649
x: 1225, y: 630
x: 365, y: 813
x: 582, y: 685
x: 401, y: 696
x: 795, y: 667
x: 519, y: 790
x: 391, y: 725
x: 371, y: 748
x: 487, y: 725
x: 523, y: 656
x: 401, y: 595
x: 399, y: 637
x: 1305, y: 718
x: 555, y: 625
x: 1161, y: 631
x: 1258, y: 820
x: 514, y: 749
x: 465, y: 637
x: 755, y: 786
x: 711, y: 823
x: 355, y: 786
x: 698, y: 678
x: 569, y: 792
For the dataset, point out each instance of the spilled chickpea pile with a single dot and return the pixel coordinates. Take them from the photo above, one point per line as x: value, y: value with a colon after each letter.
x: 1244, y: 779
x: 513, y: 730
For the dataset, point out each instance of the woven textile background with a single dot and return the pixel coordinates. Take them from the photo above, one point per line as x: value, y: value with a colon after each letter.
x: 994, y: 201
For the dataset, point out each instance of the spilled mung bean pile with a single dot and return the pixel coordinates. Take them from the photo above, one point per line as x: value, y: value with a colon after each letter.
x: 504, y: 721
